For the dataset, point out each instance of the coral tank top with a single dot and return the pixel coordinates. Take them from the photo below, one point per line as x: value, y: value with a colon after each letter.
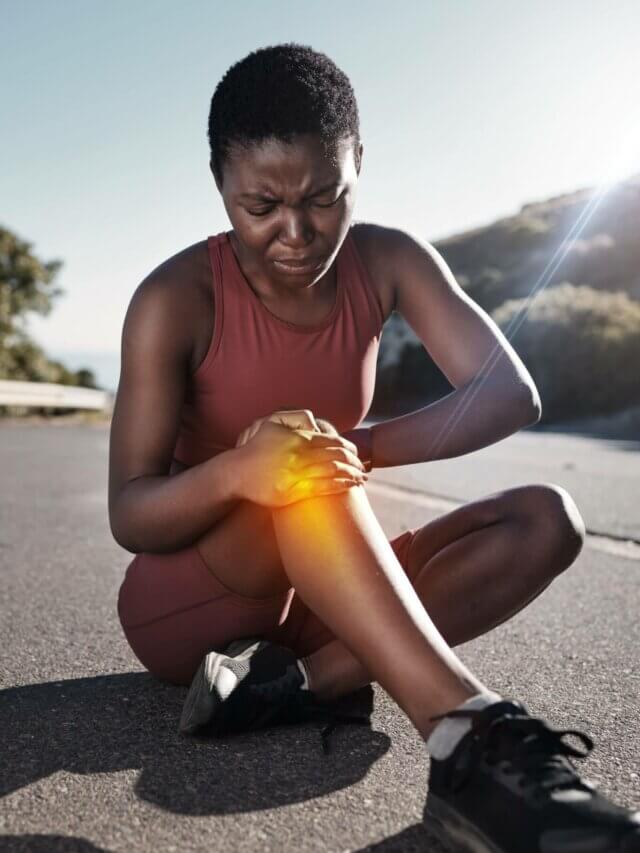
x: 258, y: 363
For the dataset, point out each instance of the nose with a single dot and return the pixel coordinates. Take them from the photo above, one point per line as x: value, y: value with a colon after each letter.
x: 295, y: 231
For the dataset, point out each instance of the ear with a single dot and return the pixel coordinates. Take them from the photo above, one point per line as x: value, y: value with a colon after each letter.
x: 359, y: 158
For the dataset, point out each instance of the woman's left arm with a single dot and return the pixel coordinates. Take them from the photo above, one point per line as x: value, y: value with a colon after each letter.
x: 494, y: 394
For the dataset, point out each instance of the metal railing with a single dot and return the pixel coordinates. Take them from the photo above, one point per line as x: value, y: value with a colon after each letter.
x: 48, y: 394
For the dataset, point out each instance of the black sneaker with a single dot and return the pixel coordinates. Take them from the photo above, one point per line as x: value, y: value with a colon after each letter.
x: 253, y: 684
x: 508, y: 788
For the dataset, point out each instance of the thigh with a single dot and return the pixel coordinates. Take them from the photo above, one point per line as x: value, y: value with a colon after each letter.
x: 435, y: 535
x: 173, y: 611
x: 242, y: 552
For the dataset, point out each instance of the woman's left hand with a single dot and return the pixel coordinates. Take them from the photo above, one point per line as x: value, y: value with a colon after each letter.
x: 293, y: 418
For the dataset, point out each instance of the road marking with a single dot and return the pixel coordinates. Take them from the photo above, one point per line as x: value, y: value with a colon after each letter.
x: 628, y: 549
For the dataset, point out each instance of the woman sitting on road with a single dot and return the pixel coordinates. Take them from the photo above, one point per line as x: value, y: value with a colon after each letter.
x: 262, y: 577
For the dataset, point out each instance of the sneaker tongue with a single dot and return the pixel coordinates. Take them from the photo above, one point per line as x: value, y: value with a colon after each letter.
x: 481, y: 720
x: 545, y: 752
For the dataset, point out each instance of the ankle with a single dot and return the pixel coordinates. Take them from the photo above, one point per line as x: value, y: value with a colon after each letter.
x: 327, y: 686
x: 439, y: 704
x: 448, y: 731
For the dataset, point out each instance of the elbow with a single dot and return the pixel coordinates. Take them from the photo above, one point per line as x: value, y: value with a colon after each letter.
x: 124, y: 542
x: 121, y: 535
x: 531, y: 405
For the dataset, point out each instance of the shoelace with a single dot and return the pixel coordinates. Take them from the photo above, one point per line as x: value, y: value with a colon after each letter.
x: 524, y: 744
x: 337, y: 719
x: 310, y: 709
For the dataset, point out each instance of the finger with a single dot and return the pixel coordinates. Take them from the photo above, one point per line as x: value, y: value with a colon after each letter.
x: 317, y: 455
x: 245, y: 435
x: 249, y: 432
x: 326, y: 427
x: 333, y: 468
x: 287, y: 480
x: 321, y: 440
x: 317, y: 487
x: 324, y: 473
x: 296, y: 419
x: 302, y: 451
x: 303, y: 437
x: 253, y: 429
x: 289, y: 421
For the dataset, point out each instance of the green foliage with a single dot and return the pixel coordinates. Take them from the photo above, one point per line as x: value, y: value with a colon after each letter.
x: 26, y: 285
x: 574, y: 237
x: 26, y: 362
x: 581, y: 346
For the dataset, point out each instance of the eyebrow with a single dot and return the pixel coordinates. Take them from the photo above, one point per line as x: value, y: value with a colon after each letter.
x: 261, y: 197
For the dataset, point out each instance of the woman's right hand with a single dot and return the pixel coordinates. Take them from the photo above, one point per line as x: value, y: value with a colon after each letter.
x: 279, y: 465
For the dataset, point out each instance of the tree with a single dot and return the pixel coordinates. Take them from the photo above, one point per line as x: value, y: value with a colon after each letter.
x: 27, y: 284
x: 582, y: 347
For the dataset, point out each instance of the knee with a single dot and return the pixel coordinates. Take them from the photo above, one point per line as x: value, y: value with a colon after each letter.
x: 554, y: 515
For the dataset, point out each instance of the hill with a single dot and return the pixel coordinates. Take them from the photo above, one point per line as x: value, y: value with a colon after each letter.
x: 576, y: 240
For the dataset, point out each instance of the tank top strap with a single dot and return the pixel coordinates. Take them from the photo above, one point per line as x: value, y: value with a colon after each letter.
x: 215, y: 261
x: 356, y: 271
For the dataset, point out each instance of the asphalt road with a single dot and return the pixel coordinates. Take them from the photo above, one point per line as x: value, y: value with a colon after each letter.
x: 602, y: 475
x: 90, y: 757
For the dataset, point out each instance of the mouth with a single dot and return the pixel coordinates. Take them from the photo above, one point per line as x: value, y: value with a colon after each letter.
x: 302, y: 267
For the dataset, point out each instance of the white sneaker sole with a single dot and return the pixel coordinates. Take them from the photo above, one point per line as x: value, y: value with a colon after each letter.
x: 204, y: 697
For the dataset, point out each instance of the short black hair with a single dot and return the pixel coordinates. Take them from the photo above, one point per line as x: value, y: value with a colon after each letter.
x: 278, y: 92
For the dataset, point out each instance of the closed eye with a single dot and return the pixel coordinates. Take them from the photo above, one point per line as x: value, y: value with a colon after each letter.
x: 331, y: 203
x: 267, y: 210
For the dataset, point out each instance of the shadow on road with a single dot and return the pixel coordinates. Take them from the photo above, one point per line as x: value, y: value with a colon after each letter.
x: 413, y: 839
x: 419, y: 838
x: 129, y: 721
x: 47, y: 844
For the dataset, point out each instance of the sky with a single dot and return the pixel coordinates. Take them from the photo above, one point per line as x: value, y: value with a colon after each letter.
x: 468, y: 110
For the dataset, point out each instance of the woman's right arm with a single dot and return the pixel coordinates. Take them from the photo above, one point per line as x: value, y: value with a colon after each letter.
x: 148, y: 509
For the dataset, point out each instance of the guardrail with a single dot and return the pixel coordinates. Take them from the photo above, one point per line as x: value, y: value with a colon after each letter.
x: 25, y: 394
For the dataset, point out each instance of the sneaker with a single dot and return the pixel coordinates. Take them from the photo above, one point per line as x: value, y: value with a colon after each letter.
x: 508, y: 787
x: 253, y: 684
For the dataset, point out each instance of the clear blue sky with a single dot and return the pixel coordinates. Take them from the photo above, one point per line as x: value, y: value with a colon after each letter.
x: 468, y: 110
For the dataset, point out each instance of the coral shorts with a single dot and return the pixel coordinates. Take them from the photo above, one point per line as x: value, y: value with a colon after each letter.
x: 173, y: 611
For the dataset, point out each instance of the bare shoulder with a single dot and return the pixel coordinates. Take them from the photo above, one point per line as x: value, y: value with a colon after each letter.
x: 178, y: 261
x: 183, y: 282
x: 180, y: 269
x: 381, y: 248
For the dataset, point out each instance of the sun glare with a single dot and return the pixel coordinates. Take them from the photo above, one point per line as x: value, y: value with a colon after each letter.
x: 623, y: 160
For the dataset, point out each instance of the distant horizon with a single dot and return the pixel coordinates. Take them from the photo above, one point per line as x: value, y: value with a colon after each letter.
x: 105, y: 364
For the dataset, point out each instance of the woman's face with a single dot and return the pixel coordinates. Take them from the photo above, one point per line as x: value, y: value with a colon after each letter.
x: 290, y: 202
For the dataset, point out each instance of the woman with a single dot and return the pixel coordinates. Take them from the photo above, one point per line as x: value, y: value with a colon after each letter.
x: 262, y: 577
